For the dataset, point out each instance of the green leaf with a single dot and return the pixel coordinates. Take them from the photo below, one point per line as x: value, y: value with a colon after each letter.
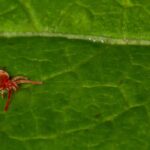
x: 95, y: 92
x: 94, y: 96
x: 119, y: 18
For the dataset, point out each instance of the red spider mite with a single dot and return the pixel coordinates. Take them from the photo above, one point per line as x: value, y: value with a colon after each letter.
x: 11, y: 84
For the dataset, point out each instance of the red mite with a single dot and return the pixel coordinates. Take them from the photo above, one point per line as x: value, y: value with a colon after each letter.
x: 11, y: 84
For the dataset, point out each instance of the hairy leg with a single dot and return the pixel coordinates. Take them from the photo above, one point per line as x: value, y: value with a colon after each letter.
x: 8, y: 100
x: 28, y: 81
x: 19, y: 78
x: 2, y: 94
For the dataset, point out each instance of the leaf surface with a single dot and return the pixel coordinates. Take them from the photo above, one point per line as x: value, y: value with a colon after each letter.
x: 93, y: 58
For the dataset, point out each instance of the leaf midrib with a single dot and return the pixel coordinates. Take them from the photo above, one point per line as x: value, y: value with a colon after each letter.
x: 91, y: 38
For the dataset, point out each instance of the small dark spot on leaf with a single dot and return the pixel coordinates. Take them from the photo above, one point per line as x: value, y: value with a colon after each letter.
x: 97, y: 116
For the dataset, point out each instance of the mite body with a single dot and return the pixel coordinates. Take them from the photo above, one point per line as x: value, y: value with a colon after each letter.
x: 10, y: 85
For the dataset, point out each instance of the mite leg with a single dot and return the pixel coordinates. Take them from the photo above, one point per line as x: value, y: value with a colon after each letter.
x: 2, y: 94
x: 19, y: 78
x: 14, y: 85
x: 8, y: 100
x: 28, y: 81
